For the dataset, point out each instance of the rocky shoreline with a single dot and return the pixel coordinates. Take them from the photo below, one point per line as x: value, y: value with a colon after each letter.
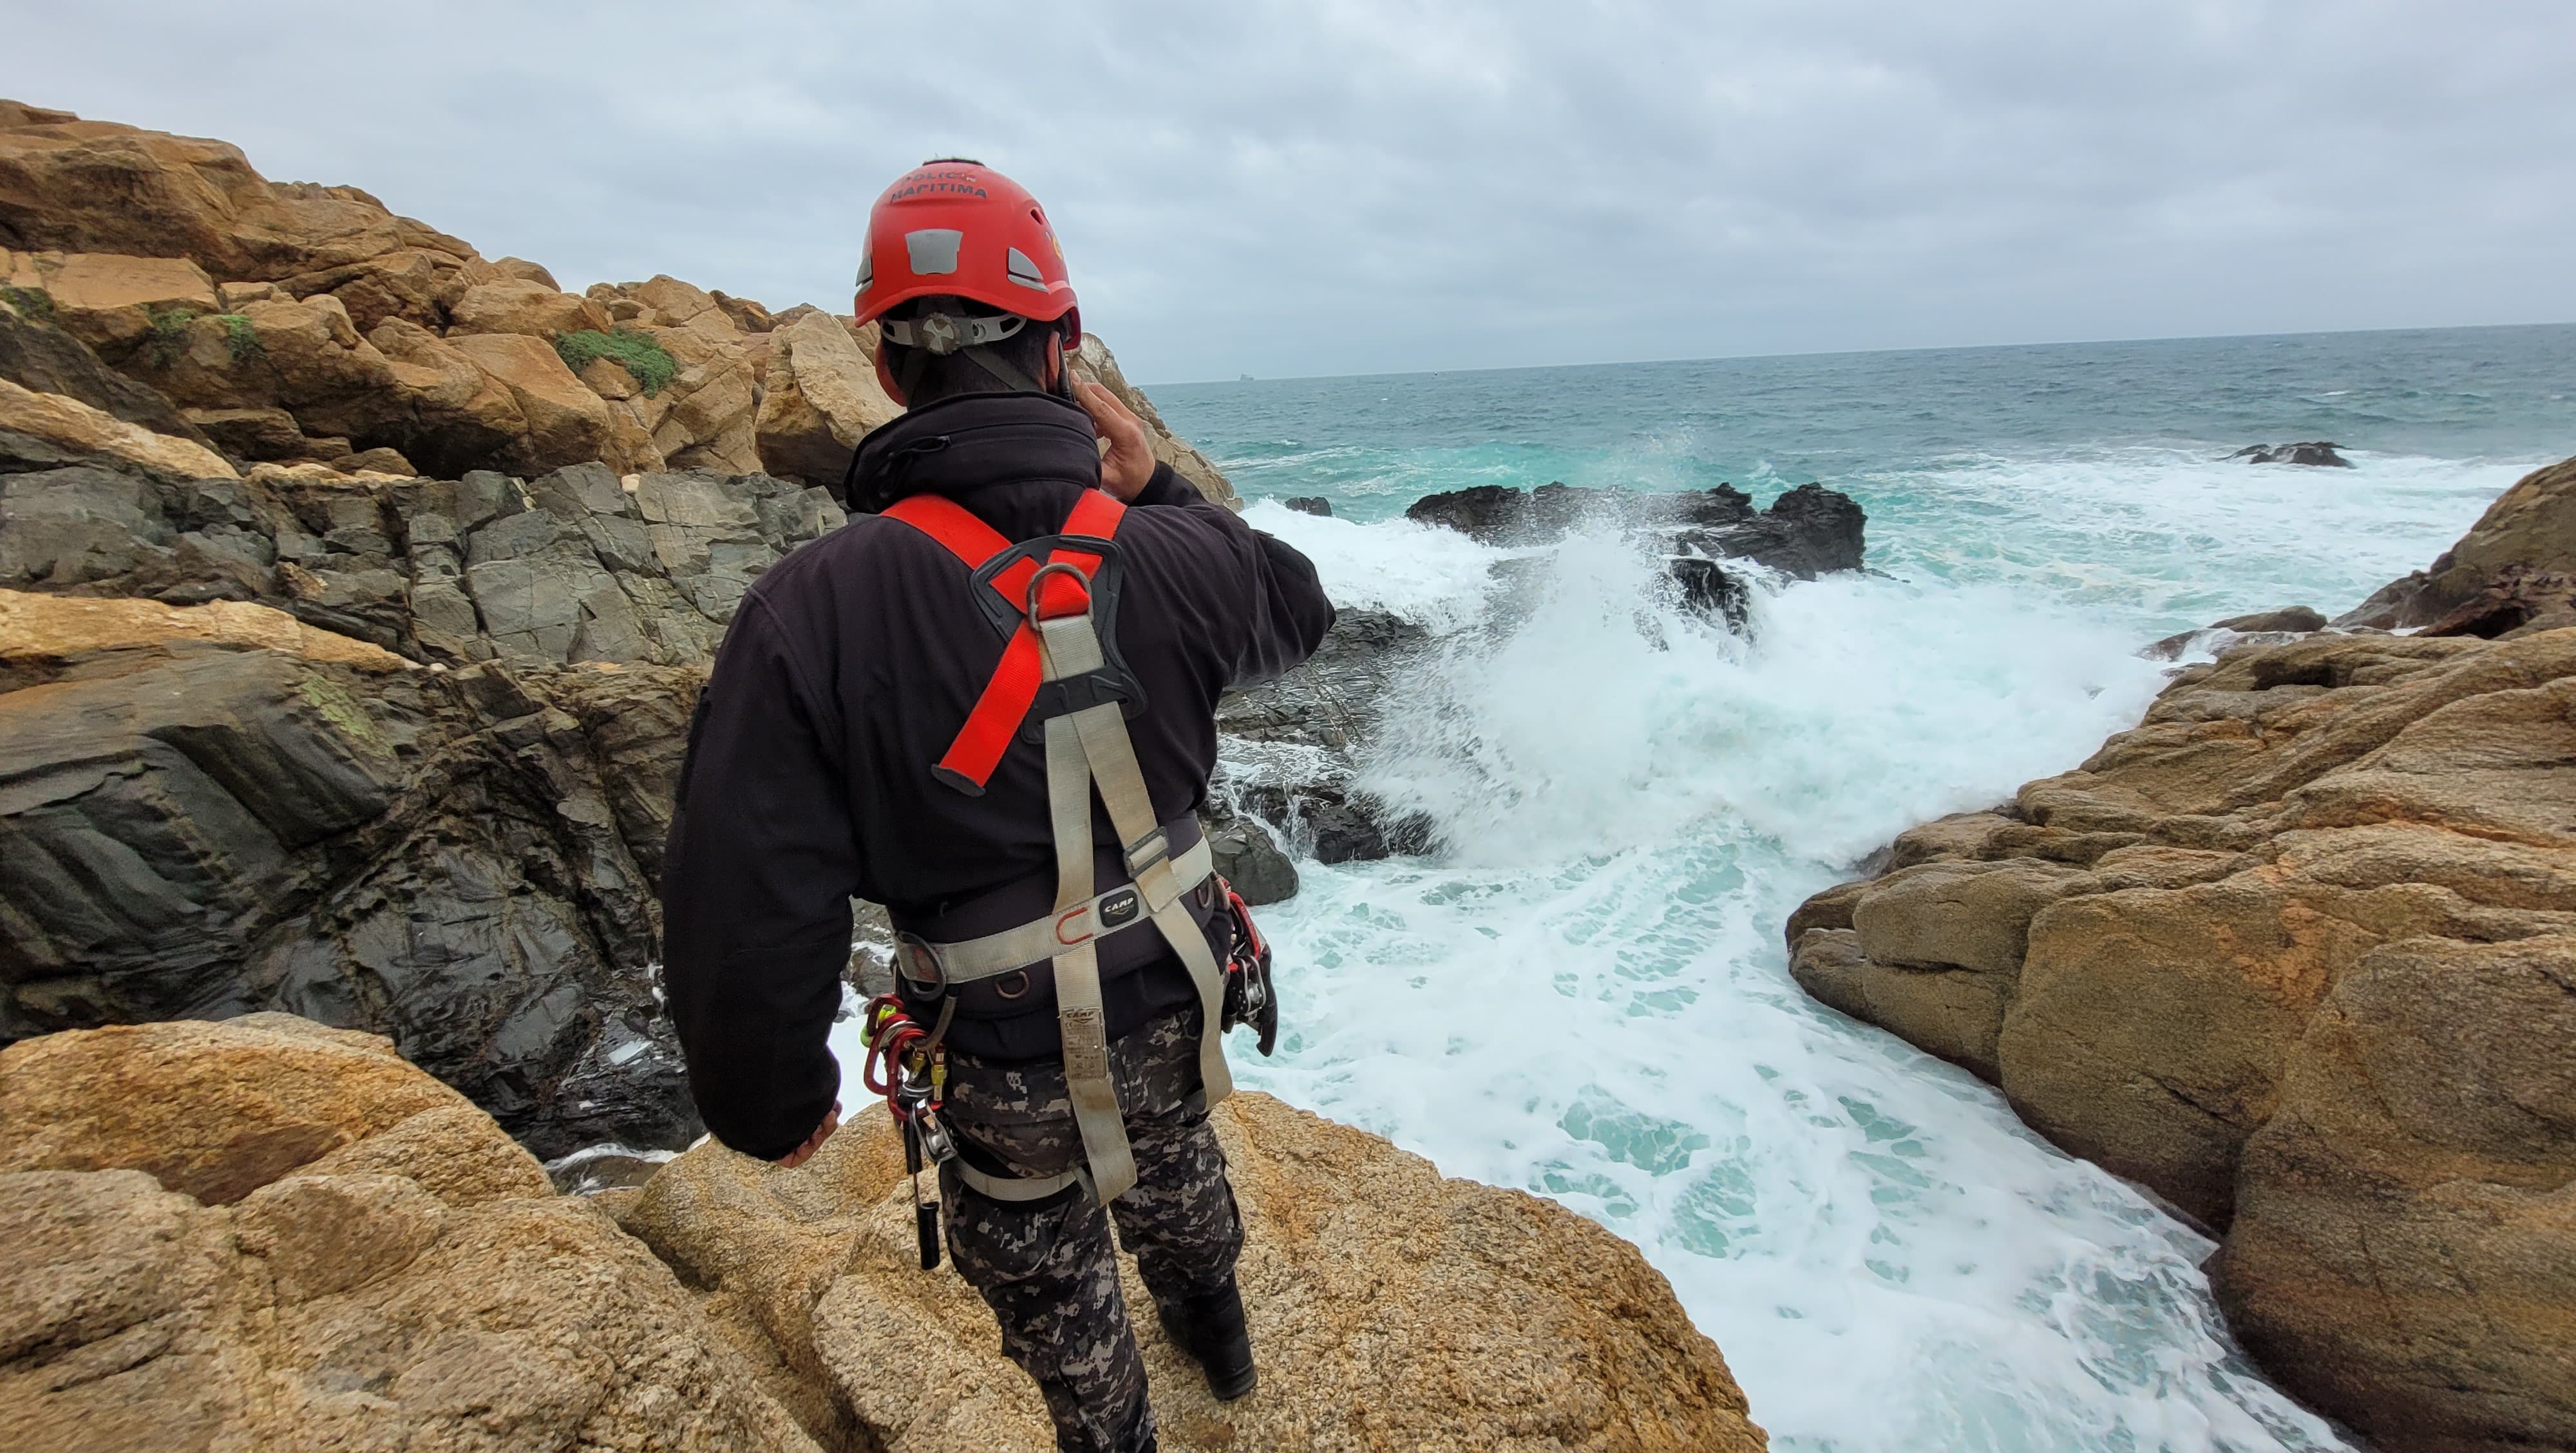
x: 2298, y: 953
x: 291, y: 725
x: 267, y: 1233
x: 355, y: 592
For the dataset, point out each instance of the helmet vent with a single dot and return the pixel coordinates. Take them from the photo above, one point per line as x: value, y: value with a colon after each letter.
x: 1025, y: 272
x: 933, y: 250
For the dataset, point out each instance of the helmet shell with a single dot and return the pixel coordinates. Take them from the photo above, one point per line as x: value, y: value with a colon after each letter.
x: 961, y: 229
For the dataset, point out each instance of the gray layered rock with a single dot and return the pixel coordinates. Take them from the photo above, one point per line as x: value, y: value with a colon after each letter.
x: 1294, y: 744
x: 573, y: 567
x: 1332, y: 701
x: 461, y: 861
x: 48, y: 360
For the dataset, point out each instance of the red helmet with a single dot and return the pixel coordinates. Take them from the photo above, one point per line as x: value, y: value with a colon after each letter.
x: 958, y: 228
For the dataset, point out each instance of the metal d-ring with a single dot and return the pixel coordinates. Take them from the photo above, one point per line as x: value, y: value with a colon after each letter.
x: 1030, y: 606
x: 913, y: 951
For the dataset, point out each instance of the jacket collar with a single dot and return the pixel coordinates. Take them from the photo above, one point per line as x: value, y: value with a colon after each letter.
x: 974, y: 441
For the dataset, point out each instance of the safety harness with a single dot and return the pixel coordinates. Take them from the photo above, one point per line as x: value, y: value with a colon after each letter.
x: 1055, y: 599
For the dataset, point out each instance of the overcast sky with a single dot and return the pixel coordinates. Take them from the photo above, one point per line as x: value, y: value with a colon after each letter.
x: 1350, y: 186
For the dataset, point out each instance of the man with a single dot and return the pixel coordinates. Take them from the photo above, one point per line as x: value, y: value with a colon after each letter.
x: 888, y: 721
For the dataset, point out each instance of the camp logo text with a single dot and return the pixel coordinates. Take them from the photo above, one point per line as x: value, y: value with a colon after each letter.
x: 925, y: 184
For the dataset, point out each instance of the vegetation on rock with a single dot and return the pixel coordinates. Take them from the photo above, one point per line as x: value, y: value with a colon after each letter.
x: 645, y: 360
x: 241, y: 339
x: 34, y: 304
x: 170, y: 333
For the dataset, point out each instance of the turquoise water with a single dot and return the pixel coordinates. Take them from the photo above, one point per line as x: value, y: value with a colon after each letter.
x: 1586, y: 994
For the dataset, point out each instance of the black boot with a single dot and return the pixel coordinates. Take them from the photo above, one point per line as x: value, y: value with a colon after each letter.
x: 1210, y: 1328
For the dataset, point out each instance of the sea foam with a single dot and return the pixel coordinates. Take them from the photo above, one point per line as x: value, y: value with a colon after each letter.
x: 1585, y: 993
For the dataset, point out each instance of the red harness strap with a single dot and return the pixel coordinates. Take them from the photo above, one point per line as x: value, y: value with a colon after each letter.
x: 997, y: 715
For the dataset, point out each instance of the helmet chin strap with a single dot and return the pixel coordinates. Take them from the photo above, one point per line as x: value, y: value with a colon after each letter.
x: 1003, y: 370
x: 971, y: 337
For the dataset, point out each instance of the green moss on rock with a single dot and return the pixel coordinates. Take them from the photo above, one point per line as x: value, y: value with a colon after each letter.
x: 637, y: 353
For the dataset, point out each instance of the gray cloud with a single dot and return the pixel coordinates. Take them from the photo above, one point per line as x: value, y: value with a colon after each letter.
x: 1333, y: 186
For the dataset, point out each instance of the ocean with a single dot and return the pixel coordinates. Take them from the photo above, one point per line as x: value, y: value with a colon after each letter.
x: 1585, y: 994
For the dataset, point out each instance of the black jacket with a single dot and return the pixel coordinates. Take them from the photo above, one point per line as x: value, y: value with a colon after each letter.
x: 845, y: 673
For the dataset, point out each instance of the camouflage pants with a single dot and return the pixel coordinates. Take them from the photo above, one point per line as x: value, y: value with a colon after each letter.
x: 1047, y: 1268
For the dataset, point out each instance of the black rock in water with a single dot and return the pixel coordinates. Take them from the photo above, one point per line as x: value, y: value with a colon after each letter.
x: 1711, y: 589
x: 1317, y: 718
x: 1339, y: 825
x: 1807, y: 532
x: 1487, y: 512
x: 1311, y: 504
x: 1247, y: 857
x: 2316, y: 453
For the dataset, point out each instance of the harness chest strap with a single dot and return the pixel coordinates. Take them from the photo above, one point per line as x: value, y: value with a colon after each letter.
x: 1085, y: 748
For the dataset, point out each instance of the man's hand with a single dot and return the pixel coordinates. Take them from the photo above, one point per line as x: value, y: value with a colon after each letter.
x: 1129, y: 465
x: 814, y: 1142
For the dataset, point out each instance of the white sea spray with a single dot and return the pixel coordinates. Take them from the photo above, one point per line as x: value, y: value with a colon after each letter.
x: 1586, y: 995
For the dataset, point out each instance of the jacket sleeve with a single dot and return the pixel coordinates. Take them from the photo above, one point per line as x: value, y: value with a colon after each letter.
x: 1281, y: 602
x: 756, y: 895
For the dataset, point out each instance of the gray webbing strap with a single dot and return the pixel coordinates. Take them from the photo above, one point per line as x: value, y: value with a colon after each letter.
x: 1079, y: 1017
x: 1112, y: 754
x: 973, y: 960
x: 1013, y: 1189
x: 1216, y: 1081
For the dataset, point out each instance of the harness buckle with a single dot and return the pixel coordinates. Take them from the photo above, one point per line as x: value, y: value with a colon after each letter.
x: 1142, y: 854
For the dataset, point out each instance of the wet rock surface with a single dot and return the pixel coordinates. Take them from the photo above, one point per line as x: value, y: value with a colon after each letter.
x: 2299, y: 953
x: 1295, y: 744
x: 2314, y: 454
x: 1806, y: 532
x: 2262, y: 628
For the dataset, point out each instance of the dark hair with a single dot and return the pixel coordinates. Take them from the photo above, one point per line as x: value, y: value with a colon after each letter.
x: 958, y: 373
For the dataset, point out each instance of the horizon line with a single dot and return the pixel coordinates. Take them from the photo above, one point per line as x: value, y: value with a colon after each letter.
x: 1849, y: 353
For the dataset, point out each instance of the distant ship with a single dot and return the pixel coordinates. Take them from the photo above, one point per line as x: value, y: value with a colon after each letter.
x: 1245, y: 378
